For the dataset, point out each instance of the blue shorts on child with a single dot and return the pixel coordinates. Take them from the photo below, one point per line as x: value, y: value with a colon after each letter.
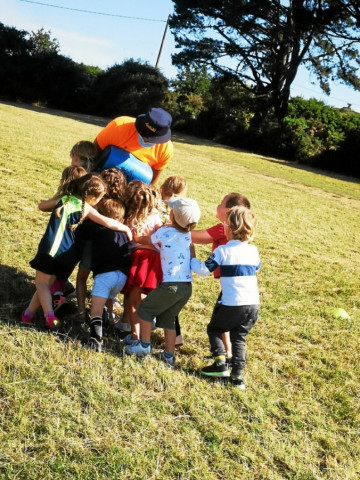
x: 109, y: 284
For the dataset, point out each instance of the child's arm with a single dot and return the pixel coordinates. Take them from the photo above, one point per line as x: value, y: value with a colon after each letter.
x: 107, y: 222
x: 48, y: 205
x: 205, y: 268
x: 201, y: 236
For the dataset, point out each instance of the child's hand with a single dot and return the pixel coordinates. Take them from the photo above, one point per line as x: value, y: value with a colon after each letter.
x: 128, y: 233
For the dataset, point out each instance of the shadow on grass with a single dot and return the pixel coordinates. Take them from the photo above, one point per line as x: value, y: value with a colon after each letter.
x: 16, y: 289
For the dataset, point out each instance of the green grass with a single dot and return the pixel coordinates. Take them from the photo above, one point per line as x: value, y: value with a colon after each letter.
x: 66, y: 412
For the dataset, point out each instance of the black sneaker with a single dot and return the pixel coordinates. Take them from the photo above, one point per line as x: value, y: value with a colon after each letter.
x: 238, y: 382
x: 216, y: 370
x: 58, y: 302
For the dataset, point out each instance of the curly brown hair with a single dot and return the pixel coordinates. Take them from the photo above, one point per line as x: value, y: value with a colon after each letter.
x: 140, y: 201
x: 116, y: 183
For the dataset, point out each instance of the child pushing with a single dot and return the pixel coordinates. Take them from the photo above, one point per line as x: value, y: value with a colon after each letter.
x: 110, y: 265
x: 236, y: 311
x: 57, y: 254
x: 167, y: 300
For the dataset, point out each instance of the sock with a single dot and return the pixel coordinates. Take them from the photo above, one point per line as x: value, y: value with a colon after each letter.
x: 50, y: 313
x: 29, y: 313
x: 96, y: 330
x: 168, y: 354
x: 144, y: 343
x: 220, y: 359
x: 57, y: 287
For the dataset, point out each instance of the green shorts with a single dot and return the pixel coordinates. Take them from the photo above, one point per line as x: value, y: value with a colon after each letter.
x: 165, y: 303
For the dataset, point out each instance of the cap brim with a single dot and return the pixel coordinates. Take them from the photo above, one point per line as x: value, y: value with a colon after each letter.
x: 144, y: 132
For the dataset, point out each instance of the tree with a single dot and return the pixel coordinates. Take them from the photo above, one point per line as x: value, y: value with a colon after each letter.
x: 129, y: 89
x: 262, y: 43
x: 42, y: 43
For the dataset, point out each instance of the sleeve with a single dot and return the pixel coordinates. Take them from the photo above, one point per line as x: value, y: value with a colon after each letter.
x: 156, y: 237
x: 205, y: 268
x: 216, y: 232
x: 106, y: 135
x: 164, y: 153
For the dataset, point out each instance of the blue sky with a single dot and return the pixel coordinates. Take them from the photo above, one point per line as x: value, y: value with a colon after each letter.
x: 103, y: 40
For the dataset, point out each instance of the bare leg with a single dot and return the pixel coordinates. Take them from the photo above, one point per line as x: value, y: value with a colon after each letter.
x: 145, y: 330
x: 81, y: 289
x: 43, y: 283
x: 134, y: 300
x: 170, y: 336
x: 97, y: 306
x: 126, y: 317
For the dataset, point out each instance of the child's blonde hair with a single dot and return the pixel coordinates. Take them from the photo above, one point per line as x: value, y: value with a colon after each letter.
x: 139, y: 202
x: 85, y: 151
x: 68, y: 174
x: 88, y: 185
x: 173, y: 186
x: 242, y: 222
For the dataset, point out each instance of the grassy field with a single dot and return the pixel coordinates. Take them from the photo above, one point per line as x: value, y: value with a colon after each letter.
x: 69, y: 413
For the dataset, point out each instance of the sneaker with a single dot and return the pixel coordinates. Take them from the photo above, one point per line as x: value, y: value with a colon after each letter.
x: 96, y: 345
x: 216, y: 370
x: 168, y: 359
x: 179, y: 341
x: 68, y: 288
x: 137, y: 349
x: 58, y: 302
x: 238, y: 382
x: 52, y: 322
x: 128, y: 340
x: 122, y: 326
x: 27, y: 319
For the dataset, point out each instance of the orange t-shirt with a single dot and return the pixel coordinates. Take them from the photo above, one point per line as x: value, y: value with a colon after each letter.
x: 121, y: 132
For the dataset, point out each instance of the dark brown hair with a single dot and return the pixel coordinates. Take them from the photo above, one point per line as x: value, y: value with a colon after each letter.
x: 236, y: 200
x: 116, y: 183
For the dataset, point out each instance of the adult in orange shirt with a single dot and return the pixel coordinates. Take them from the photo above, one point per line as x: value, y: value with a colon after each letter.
x: 146, y: 137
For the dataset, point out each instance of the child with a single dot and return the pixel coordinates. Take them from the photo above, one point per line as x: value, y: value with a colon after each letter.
x: 57, y: 254
x: 236, y: 310
x: 115, y: 188
x: 110, y: 265
x: 174, y: 186
x: 216, y: 236
x: 175, y: 290
x: 83, y: 155
x: 69, y: 174
x: 145, y: 271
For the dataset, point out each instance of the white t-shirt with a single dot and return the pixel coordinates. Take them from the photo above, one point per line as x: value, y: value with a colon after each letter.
x: 174, y: 253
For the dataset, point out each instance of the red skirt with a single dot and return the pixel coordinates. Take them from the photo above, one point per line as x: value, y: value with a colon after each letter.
x: 145, y: 271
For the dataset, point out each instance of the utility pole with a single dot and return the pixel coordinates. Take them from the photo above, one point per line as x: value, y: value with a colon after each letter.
x: 162, y: 41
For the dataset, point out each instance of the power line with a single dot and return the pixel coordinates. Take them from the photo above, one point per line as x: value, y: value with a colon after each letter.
x: 95, y: 13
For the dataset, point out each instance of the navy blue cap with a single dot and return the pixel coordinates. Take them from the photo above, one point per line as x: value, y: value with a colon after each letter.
x: 154, y: 125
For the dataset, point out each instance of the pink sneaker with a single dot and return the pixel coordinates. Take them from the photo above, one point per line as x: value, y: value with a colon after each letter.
x: 27, y: 319
x: 52, y: 322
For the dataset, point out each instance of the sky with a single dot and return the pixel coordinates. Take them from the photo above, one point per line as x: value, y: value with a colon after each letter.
x: 121, y: 29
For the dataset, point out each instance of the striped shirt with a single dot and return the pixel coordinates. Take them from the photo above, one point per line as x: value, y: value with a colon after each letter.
x: 238, y: 262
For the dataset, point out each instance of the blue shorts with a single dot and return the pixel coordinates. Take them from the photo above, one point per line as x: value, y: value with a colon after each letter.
x: 109, y: 284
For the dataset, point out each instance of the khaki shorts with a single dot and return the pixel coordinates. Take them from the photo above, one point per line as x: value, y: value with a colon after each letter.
x: 165, y: 303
